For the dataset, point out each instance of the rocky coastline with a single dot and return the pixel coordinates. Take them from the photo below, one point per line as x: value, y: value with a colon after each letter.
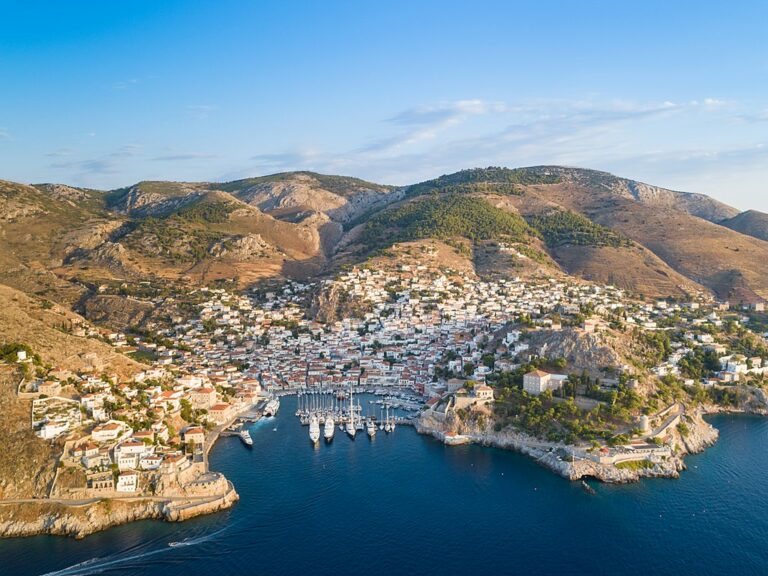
x: 569, y: 461
x: 31, y: 518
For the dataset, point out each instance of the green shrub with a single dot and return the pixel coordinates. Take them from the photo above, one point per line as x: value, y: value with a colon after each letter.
x: 561, y: 227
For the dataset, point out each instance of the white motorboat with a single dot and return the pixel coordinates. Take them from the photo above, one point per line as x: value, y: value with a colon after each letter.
x: 314, y: 429
x: 329, y: 428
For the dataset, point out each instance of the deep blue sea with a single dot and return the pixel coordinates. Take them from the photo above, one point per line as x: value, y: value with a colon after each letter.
x: 406, y: 504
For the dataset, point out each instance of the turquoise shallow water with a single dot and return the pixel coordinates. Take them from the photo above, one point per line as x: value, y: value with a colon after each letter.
x: 406, y: 504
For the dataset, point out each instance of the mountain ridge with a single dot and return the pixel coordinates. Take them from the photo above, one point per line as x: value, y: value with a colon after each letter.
x: 588, y: 223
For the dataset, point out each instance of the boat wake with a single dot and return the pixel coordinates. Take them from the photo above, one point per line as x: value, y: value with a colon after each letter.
x: 117, y: 561
x: 196, y: 540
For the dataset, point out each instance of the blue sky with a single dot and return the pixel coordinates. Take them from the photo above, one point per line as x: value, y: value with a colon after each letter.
x: 104, y: 94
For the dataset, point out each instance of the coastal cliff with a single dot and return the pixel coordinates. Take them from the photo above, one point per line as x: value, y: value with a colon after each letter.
x: 47, y: 517
x: 571, y: 462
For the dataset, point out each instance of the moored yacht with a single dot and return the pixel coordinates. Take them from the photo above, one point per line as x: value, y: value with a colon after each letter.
x: 314, y: 429
x: 245, y: 436
x: 351, y: 428
x: 329, y: 428
x: 370, y: 427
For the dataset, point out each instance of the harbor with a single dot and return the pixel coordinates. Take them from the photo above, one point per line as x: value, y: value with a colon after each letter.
x: 266, y: 408
x: 329, y: 412
x: 350, y: 414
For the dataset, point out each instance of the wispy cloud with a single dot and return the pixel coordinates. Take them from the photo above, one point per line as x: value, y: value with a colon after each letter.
x: 125, y: 84
x: 201, y: 111
x: 183, y: 157
x: 87, y: 167
x: 60, y: 153
x: 447, y: 112
x: 755, y: 117
x: 425, y: 123
x: 615, y: 135
x: 127, y: 151
x: 5, y: 134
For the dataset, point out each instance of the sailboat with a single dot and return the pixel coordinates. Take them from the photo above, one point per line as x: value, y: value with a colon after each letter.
x: 360, y: 424
x: 387, y: 425
x: 351, y: 429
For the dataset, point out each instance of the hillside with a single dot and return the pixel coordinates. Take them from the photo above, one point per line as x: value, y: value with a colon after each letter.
x: 751, y: 223
x: 51, y: 331
x: 61, y: 242
x: 31, y: 475
x: 606, y: 184
x: 731, y: 265
x: 573, y: 240
x: 295, y: 195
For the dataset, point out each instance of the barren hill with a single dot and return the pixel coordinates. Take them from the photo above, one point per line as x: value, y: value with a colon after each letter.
x: 751, y: 223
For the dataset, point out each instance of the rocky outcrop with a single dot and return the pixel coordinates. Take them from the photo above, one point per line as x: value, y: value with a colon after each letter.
x: 699, y: 434
x: 116, y: 311
x: 243, y: 248
x: 303, y: 193
x: 64, y: 193
x: 582, y: 350
x: 31, y: 518
x: 570, y: 461
x: 154, y: 198
x: 334, y: 303
x: 110, y: 255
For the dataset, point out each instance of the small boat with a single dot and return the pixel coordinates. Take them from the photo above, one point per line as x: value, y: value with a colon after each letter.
x: 587, y: 488
x: 245, y: 436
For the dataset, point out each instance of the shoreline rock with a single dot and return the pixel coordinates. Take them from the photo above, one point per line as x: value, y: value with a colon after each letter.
x: 556, y: 457
x: 45, y: 517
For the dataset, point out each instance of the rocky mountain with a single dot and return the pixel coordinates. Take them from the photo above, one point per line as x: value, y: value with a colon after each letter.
x: 61, y: 242
x: 724, y: 262
x: 699, y: 205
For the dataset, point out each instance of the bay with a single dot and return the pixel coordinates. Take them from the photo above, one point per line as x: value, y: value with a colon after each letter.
x: 406, y: 504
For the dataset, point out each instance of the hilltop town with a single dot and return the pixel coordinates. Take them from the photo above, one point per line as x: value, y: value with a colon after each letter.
x: 585, y: 378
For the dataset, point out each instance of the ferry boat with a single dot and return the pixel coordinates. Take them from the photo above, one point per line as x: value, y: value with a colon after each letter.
x: 329, y: 428
x: 314, y: 429
x: 245, y: 436
x: 272, y: 407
